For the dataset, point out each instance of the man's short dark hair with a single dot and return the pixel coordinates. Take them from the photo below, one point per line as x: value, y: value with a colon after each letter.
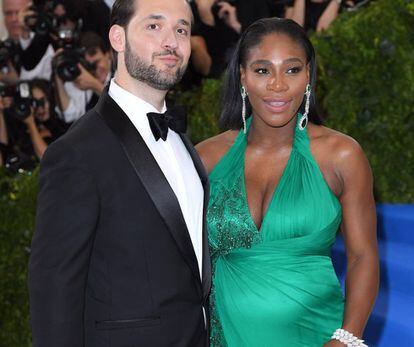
x: 92, y: 42
x: 121, y: 14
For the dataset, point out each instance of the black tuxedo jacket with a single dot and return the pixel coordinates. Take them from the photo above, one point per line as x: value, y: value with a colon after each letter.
x: 112, y: 263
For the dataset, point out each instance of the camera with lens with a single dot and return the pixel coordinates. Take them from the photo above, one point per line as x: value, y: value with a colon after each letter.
x: 22, y: 99
x: 8, y: 52
x: 42, y: 21
x: 66, y: 63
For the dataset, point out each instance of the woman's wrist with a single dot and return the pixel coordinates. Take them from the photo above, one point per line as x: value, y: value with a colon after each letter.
x: 347, y: 338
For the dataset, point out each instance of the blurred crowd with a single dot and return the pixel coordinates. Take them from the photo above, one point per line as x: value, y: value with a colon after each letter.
x: 55, y: 59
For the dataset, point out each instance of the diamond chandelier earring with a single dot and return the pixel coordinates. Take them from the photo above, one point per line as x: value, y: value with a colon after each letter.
x: 303, y: 122
x: 244, y: 94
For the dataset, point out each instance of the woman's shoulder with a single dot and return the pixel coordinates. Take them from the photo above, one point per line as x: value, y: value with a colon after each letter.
x: 343, y: 151
x: 337, y: 143
x: 213, y: 149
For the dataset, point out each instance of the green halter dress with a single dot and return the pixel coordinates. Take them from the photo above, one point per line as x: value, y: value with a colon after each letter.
x: 273, y: 287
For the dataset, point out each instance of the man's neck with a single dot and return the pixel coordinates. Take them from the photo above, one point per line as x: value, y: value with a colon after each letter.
x: 150, y: 95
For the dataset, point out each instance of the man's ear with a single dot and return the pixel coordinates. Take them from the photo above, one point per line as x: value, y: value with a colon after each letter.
x: 117, y: 38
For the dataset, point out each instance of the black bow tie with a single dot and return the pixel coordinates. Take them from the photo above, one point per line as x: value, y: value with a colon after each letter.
x: 174, y: 118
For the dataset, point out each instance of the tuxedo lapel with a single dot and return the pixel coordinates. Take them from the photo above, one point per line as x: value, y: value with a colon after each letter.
x: 206, y: 270
x: 150, y: 175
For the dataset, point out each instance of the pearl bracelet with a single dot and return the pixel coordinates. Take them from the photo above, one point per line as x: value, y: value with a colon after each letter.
x: 347, y: 338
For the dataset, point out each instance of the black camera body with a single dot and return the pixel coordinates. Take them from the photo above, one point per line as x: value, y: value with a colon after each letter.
x: 8, y: 52
x: 43, y: 21
x: 66, y: 63
x: 22, y: 99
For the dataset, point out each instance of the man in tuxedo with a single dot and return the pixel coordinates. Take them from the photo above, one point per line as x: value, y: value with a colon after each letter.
x: 119, y: 256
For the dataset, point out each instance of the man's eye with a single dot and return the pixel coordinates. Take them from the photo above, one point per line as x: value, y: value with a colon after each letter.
x: 153, y: 26
x: 182, y: 31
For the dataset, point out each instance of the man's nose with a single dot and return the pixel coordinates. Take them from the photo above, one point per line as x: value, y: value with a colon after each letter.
x: 170, y: 41
x: 14, y: 16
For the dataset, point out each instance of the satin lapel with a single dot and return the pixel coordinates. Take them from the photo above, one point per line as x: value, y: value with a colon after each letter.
x: 150, y: 175
x: 206, y: 271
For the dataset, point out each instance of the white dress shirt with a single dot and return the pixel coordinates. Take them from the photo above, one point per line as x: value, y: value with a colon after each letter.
x: 78, y: 101
x: 173, y: 159
x: 44, y: 68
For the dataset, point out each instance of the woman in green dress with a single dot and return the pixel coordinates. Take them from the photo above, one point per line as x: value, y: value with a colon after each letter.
x: 281, y: 187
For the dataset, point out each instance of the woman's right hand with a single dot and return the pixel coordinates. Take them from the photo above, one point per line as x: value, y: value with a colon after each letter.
x: 30, y: 121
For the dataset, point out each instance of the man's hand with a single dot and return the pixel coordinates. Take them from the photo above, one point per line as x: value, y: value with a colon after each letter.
x: 228, y: 14
x: 86, y: 81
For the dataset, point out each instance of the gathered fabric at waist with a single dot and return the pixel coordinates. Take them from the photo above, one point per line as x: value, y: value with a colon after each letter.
x: 288, y: 293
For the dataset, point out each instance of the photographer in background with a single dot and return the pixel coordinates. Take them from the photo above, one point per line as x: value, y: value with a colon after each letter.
x: 45, y: 17
x: 217, y: 26
x: 14, y: 106
x: 43, y: 125
x: 20, y: 35
x: 10, y: 48
x: 30, y: 123
x: 212, y: 38
x: 316, y: 15
x: 80, y: 94
x: 98, y: 58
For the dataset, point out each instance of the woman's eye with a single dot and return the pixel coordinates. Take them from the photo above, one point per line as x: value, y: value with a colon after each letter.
x: 261, y: 71
x: 294, y: 70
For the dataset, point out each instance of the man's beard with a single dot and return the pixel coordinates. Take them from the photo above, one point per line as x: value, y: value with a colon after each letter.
x: 148, y: 73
